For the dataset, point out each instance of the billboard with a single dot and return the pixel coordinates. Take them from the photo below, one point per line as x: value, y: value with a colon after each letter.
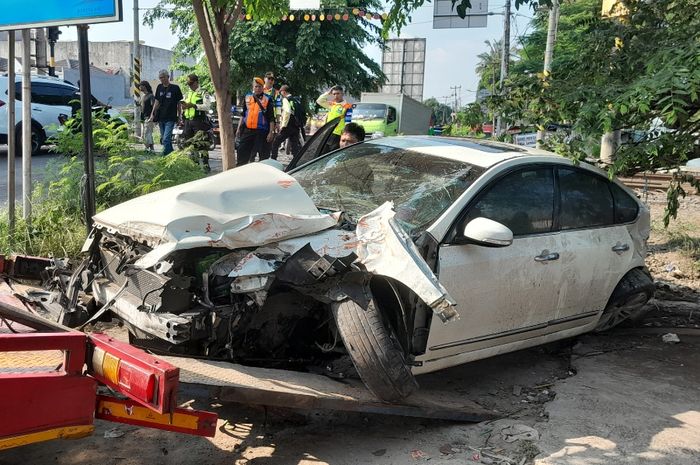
x: 445, y: 17
x: 403, y: 63
x: 27, y: 14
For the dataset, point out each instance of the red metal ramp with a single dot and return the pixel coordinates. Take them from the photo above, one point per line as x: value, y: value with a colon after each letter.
x: 282, y: 388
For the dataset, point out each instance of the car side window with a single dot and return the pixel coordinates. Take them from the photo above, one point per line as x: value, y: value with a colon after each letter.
x: 586, y: 200
x: 626, y: 208
x: 523, y: 201
x: 50, y: 94
x: 391, y: 115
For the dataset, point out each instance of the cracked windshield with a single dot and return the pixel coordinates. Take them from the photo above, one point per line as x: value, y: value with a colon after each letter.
x: 361, y: 178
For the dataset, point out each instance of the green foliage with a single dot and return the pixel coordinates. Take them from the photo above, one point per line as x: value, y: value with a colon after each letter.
x: 308, y: 56
x: 639, y: 74
x: 441, y: 113
x: 122, y: 172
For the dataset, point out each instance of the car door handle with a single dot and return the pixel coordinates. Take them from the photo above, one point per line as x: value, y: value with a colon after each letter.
x: 619, y: 248
x: 36, y: 109
x: 547, y: 256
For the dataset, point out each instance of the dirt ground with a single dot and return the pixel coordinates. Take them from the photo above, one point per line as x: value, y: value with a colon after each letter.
x: 625, y: 397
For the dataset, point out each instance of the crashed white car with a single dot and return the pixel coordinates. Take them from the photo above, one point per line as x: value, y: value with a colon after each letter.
x: 401, y: 255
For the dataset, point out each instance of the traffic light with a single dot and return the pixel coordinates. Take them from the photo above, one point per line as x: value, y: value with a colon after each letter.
x: 54, y: 33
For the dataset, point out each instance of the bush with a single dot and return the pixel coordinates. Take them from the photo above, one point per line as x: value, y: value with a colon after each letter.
x: 122, y: 172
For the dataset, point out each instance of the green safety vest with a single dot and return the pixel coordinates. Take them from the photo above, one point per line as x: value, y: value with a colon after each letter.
x: 195, y: 97
x: 338, y: 110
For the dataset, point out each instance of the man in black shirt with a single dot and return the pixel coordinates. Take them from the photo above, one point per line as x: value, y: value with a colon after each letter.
x: 167, y: 109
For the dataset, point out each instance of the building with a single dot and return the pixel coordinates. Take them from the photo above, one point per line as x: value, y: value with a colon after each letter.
x: 110, y: 64
x: 403, y: 63
x: 114, y: 59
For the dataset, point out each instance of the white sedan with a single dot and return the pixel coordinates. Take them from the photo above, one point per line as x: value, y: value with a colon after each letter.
x: 403, y: 255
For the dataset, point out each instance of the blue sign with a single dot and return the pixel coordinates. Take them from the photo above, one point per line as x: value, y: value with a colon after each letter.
x: 27, y: 14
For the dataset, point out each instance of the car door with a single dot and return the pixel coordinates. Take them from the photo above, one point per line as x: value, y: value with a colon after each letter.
x: 49, y: 101
x: 315, y: 146
x: 596, y: 246
x: 509, y: 293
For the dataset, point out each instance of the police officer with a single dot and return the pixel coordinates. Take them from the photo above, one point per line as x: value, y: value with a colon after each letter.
x: 256, y: 126
x: 337, y: 108
x: 195, y: 107
x: 289, y: 124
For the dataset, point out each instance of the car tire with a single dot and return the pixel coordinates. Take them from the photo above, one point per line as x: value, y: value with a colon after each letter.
x: 38, y: 139
x: 378, y: 357
x: 628, y: 299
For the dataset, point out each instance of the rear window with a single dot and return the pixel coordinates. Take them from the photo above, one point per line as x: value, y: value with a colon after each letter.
x: 626, y: 207
x: 586, y: 200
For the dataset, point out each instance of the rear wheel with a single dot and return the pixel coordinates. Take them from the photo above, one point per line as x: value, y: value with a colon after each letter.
x: 628, y: 300
x: 37, y: 139
x: 376, y: 353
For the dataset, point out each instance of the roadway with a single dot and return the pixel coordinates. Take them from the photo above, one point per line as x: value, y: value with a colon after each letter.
x: 39, y: 163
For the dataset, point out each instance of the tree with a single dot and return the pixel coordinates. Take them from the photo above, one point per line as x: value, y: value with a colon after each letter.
x: 441, y: 112
x: 215, y: 20
x: 639, y: 74
x: 305, y: 55
x: 489, y: 66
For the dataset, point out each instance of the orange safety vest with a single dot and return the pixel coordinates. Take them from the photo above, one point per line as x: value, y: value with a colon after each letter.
x: 254, y: 115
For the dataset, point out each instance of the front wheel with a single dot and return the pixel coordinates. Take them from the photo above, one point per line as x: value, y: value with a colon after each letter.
x: 377, y: 355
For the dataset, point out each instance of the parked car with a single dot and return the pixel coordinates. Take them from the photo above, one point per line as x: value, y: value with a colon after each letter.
x: 53, y: 101
x: 403, y: 255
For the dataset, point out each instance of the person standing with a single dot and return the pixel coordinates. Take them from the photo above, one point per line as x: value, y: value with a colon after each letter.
x: 166, y: 109
x: 256, y: 126
x: 276, y: 97
x: 146, y: 102
x: 337, y: 108
x: 290, y: 122
x: 195, y: 107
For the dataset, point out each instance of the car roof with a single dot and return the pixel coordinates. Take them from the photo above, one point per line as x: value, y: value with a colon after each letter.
x: 41, y: 78
x: 479, y: 152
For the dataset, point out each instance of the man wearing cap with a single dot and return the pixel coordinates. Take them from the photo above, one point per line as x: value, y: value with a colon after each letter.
x: 256, y: 126
x: 166, y: 109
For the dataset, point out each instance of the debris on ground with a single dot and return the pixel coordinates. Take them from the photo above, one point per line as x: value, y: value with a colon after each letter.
x: 519, y: 432
x: 418, y: 454
x: 113, y: 433
x: 670, y: 338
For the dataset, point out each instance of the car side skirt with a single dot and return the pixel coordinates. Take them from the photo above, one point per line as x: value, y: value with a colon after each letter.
x: 459, y: 352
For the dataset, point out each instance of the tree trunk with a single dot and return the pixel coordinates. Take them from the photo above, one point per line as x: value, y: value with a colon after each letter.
x: 215, y: 24
x: 223, y: 108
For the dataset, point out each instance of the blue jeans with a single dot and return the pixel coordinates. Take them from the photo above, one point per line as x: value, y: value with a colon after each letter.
x: 166, y: 135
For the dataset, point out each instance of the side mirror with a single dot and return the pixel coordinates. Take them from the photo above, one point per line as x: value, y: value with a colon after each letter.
x: 489, y: 233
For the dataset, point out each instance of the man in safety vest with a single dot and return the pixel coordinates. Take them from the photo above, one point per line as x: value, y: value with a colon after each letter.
x: 195, y: 107
x: 276, y: 97
x: 337, y: 108
x: 290, y: 124
x: 256, y: 126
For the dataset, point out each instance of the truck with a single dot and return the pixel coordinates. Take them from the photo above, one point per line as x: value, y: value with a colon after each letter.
x: 390, y: 114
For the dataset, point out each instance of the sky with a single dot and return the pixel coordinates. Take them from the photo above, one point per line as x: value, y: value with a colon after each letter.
x: 451, y: 54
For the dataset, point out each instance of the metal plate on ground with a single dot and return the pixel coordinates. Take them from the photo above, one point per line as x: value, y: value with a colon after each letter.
x: 291, y: 389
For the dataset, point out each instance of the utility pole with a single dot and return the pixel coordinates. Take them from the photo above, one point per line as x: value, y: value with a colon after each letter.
x: 26, y: 125
x: 11, y: 139
x: 505, y: 59
x: 549, y: 52
x: 86, y: 110
x: 40, y: 61
x: 136, y: 71
x: 53, y: 38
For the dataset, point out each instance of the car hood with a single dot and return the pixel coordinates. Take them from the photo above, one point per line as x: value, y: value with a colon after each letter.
x: 248, y: 206
x: 258, y: 206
